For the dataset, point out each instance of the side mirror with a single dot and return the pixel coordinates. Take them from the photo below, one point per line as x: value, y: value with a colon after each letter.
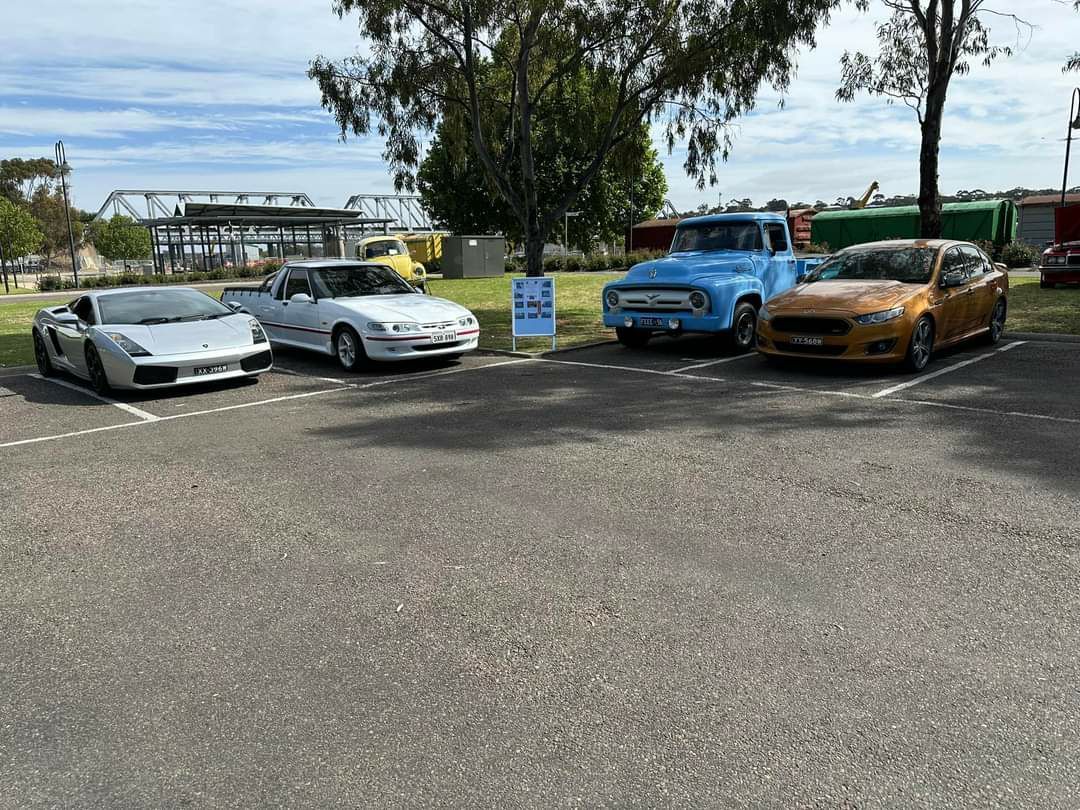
x: 301, y: 298
x: 233, y: 305
x: 66, y: 318
x: 953, y: 278
x: 1004, y: 268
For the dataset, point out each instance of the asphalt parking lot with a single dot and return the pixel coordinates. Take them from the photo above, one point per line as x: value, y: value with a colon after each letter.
x: 606, y: 577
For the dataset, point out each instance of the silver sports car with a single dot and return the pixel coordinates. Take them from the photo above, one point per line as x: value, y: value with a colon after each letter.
x: 149, y: 338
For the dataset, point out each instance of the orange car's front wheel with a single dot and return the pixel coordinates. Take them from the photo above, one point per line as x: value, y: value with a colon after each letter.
x: 921, y: 346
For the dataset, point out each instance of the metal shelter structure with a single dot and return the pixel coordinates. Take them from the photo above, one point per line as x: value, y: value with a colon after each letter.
x: 404, y: 209
x: 214, y: 235
x: 163, y: 202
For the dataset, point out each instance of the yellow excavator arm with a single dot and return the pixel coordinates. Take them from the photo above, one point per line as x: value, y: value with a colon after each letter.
x: 865, y: 198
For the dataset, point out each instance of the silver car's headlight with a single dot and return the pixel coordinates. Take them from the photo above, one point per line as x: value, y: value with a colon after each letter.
x: 467, y: 321
x: 257, y: 333
x: 132, y: 348
x: 880, y: 317
x: 394, y: 327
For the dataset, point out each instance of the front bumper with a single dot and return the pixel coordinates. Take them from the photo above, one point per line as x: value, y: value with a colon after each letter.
x: 167, y: 371
x: 389, y: 349
x: 1060, y: 275
x: 687, y: 323
x: 878, y: 343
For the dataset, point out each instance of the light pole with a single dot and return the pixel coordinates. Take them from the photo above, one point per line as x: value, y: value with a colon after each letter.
x: 566, y: 230
x: 64, y: 167
x: 1074, y: 123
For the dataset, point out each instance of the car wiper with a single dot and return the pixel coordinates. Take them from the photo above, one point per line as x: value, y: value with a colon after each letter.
x: 154, y: 320
x: 215, y: 315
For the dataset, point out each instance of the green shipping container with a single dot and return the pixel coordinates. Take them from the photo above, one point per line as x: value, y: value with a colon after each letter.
x: 987, y: 220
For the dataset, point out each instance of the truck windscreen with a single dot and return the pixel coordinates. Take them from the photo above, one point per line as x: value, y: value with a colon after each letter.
x: 718, y: 236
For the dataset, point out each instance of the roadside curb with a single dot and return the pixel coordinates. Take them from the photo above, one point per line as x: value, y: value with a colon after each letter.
x: 581, y: 346
x: 508, y: 353
x: 16, y: 371
x: 1048, y: 337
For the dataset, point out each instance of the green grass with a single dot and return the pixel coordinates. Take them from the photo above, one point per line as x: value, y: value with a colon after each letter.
x: 1031, y: 309
x: 577, y: 308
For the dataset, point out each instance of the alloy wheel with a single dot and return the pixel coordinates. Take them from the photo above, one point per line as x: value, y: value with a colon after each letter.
x: 920, y: 344
x: 346, y: 350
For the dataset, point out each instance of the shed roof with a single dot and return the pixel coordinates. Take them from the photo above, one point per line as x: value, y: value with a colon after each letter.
x: 197, y: 213
x: 1049, y: 199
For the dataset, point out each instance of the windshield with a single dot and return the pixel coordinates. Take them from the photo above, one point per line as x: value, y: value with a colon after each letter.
x: 718, y: 236
x: 159, y: 306
x: 907, y: 264
x: 356, y: 280
x: 386, y: 247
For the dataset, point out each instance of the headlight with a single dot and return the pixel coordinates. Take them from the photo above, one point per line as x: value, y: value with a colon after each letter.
x: 132, y: 348
x: 612, y: 298
x: 1048, y: 259
x: 394, y: 327
x: 764, y: 314
x: 467, y: 321
x: 880, y: 317
x: 698, y: 300
x: 257, y: 333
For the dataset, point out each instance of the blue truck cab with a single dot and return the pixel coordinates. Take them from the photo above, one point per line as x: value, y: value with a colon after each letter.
x: 720, y: 270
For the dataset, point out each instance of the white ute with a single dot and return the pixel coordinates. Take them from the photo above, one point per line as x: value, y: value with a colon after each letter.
x: 356, y: 312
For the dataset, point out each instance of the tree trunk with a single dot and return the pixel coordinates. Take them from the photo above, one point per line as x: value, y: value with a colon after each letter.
x: 534, y: 252
x: 929, y: 200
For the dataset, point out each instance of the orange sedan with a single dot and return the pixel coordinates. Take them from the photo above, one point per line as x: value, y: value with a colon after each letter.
x: 888, y: 302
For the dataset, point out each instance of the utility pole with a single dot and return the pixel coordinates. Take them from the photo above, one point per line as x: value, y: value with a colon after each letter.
x: 64, y: 167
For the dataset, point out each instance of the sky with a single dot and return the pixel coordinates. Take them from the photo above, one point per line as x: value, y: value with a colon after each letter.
x: 212, y: 94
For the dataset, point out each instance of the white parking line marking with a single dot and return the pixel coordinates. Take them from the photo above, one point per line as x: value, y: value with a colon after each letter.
x: 716, y: 362
x: 948, y: 369
x: 146, y: 416
x: 288, y: 397
x: 626, y: 368
x: 294, y: 373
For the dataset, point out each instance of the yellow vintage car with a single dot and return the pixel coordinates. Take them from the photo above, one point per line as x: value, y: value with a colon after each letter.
x: 392, y: 252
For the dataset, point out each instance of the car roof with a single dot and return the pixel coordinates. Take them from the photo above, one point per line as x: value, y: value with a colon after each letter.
x: 316, y: 264
x: 936, y: 244
x: 745, y: 216
x: 145, y: 288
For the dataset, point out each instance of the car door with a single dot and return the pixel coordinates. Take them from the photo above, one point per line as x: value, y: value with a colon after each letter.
x: 300, y: 317
x: 781, y: 271
x: 983, y: 286
x: 71, y: 337
x: 953, y: 310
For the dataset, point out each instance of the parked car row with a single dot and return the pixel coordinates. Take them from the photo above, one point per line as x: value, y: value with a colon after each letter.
x: 160, y: 337
x: 731, y: 274
x: 885, y: 302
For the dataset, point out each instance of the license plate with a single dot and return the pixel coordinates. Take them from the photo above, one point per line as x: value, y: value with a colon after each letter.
x: 800, y: 340
x: 204, y: 370
x: 652, y: 323
x: 444, y: 337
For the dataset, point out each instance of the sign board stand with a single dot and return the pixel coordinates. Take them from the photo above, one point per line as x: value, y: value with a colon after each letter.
x: 532, y: 306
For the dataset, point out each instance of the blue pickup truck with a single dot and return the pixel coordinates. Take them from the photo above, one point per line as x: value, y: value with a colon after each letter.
x: 720, y: 270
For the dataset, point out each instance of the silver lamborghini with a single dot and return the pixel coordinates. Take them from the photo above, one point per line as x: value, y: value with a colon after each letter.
x: 149, y: 338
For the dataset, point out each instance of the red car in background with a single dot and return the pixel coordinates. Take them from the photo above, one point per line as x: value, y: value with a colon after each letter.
x: 1060, y: 264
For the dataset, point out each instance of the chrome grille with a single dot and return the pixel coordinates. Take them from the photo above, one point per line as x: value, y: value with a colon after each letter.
x: 656, y: 300
x: 440, y: 325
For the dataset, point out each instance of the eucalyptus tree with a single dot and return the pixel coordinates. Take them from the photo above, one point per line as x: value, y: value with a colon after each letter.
x: 921, y: 47
x: 688, y: 68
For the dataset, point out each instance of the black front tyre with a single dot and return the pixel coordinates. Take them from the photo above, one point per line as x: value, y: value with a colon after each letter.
x: 99, y: 380
x: 41, y: 355
x: 349, y: 349
x: 921, y: 345
x: 632, y: 338
x: 1044, y: 284
x: 997, y: 322
x: 743, y: 328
